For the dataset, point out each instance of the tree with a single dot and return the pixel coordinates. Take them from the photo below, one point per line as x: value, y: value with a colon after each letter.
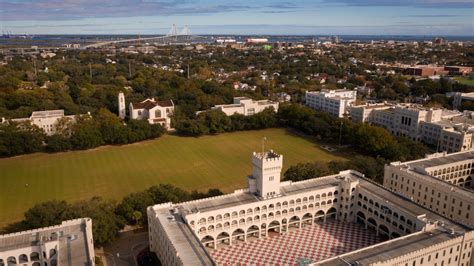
x: 86, y: 133
x: 188, y: 127
x: 304, y: 171
x: 46, y: 214
x: 105, y: 223
x: 137, y: 215
x: 57, y: 143
x: 19, y: 138
x: 135, y: 202
x: 216, y: 121
x: 111, y: 127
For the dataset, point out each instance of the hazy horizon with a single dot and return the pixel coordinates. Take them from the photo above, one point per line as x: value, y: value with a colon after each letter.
x: 299, y: 17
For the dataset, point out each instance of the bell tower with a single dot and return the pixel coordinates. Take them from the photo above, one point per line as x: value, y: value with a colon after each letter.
x: 121, y: 105
x: 266, y: 170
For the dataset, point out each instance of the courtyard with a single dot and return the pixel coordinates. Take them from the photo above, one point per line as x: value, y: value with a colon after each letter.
x: 310, y: 243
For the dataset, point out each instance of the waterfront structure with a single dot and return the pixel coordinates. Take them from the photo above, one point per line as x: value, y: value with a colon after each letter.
x: 211, y: 231
x: 441, y: 182
x: 448, y: 130
x: 122, y: 111
x: 46, y: 120
x: 334, y: 102
x: 246, y: 106
x: 155, y: 112
x: 69, y: 243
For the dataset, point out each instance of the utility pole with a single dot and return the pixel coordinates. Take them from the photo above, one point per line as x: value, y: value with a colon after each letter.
x: 188, y: 71
x: 129, y: 70
x: 90, y: 70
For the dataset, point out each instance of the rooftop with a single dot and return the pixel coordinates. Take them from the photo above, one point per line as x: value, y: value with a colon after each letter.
x: 71, y: 236
x: 391, y: 249
x: 150, y: 103
x: 442, y: 159
x: 190, y: 250
x: 48, y: 113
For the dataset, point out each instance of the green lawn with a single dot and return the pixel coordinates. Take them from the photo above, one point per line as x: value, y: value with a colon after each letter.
x: 465, y: 81
x: 221, y: 161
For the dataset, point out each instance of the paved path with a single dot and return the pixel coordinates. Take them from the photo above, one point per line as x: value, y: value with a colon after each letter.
x: 124, y: 250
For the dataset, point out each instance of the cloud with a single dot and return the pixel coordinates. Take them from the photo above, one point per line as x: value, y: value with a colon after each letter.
x: 407, y: 3
x: 433, y: 16
x: 79, y: 9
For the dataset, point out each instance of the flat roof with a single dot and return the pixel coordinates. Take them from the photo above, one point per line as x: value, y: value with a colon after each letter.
x: 244, y: 197
x: 442, y: 160
x: 48, y: 113
x: 392, y: 249
x: 406, y: 205
x: 189, y: 249
x: 71, y: 236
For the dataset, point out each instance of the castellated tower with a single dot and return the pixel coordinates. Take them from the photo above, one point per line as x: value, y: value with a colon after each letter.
x: 121, y: 105
x: 265, y: 179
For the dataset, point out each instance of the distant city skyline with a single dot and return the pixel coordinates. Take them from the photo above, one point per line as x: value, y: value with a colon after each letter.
x: 298, y: 17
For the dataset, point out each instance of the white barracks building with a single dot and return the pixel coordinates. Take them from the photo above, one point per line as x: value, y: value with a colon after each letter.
x: 46, y: 120
x: 334, y: 102
x: 246, y: 106
x: 69, y: 243
x: 448, y: 130
x: 219, y: 230
x: 441, y: 182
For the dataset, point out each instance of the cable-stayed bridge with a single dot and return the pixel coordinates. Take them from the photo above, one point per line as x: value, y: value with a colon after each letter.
x: 174, y: 36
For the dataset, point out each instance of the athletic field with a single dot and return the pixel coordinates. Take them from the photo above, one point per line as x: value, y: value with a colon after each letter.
x: 221, y: 161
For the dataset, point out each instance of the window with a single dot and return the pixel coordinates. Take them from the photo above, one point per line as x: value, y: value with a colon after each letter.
x: 271, y: 178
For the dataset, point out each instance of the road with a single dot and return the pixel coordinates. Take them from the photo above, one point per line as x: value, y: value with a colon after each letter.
x: 124, y: 250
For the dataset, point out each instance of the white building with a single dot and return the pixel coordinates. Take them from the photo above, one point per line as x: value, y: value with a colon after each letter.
x: 122, y: 111
x: 69, y: 243
x: 334, y: 102
x: 459, y: 97
x: 441, y: 182
x: 155, y: 112
x: 447, y: 130
x: 246, y: 106
x: 46, y: 120
x: 192, y: 233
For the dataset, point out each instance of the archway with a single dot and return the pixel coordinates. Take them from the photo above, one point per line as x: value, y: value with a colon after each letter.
x: 468, y: 182
x: 23, y: 258
x: 331, y: 213
x: 273, y: 227
x: 253, y: 232
x: 34, y: 256
x: 394, y: 235
x: 208, y: 241
x: 384, y: 232
x: 360, y: 217
x: 11, y: 261
x: 319, y: 216
x: 294, y: 222
x: 223, y: 238
x: 307, y: 219
x: 371, y: 224
x: 238, y: 235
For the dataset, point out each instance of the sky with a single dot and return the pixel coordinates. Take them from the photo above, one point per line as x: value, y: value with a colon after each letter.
x: 283, y: 17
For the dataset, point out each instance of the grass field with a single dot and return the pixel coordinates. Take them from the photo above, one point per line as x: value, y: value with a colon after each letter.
x: 221, y: 161
x: 465, y: 81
